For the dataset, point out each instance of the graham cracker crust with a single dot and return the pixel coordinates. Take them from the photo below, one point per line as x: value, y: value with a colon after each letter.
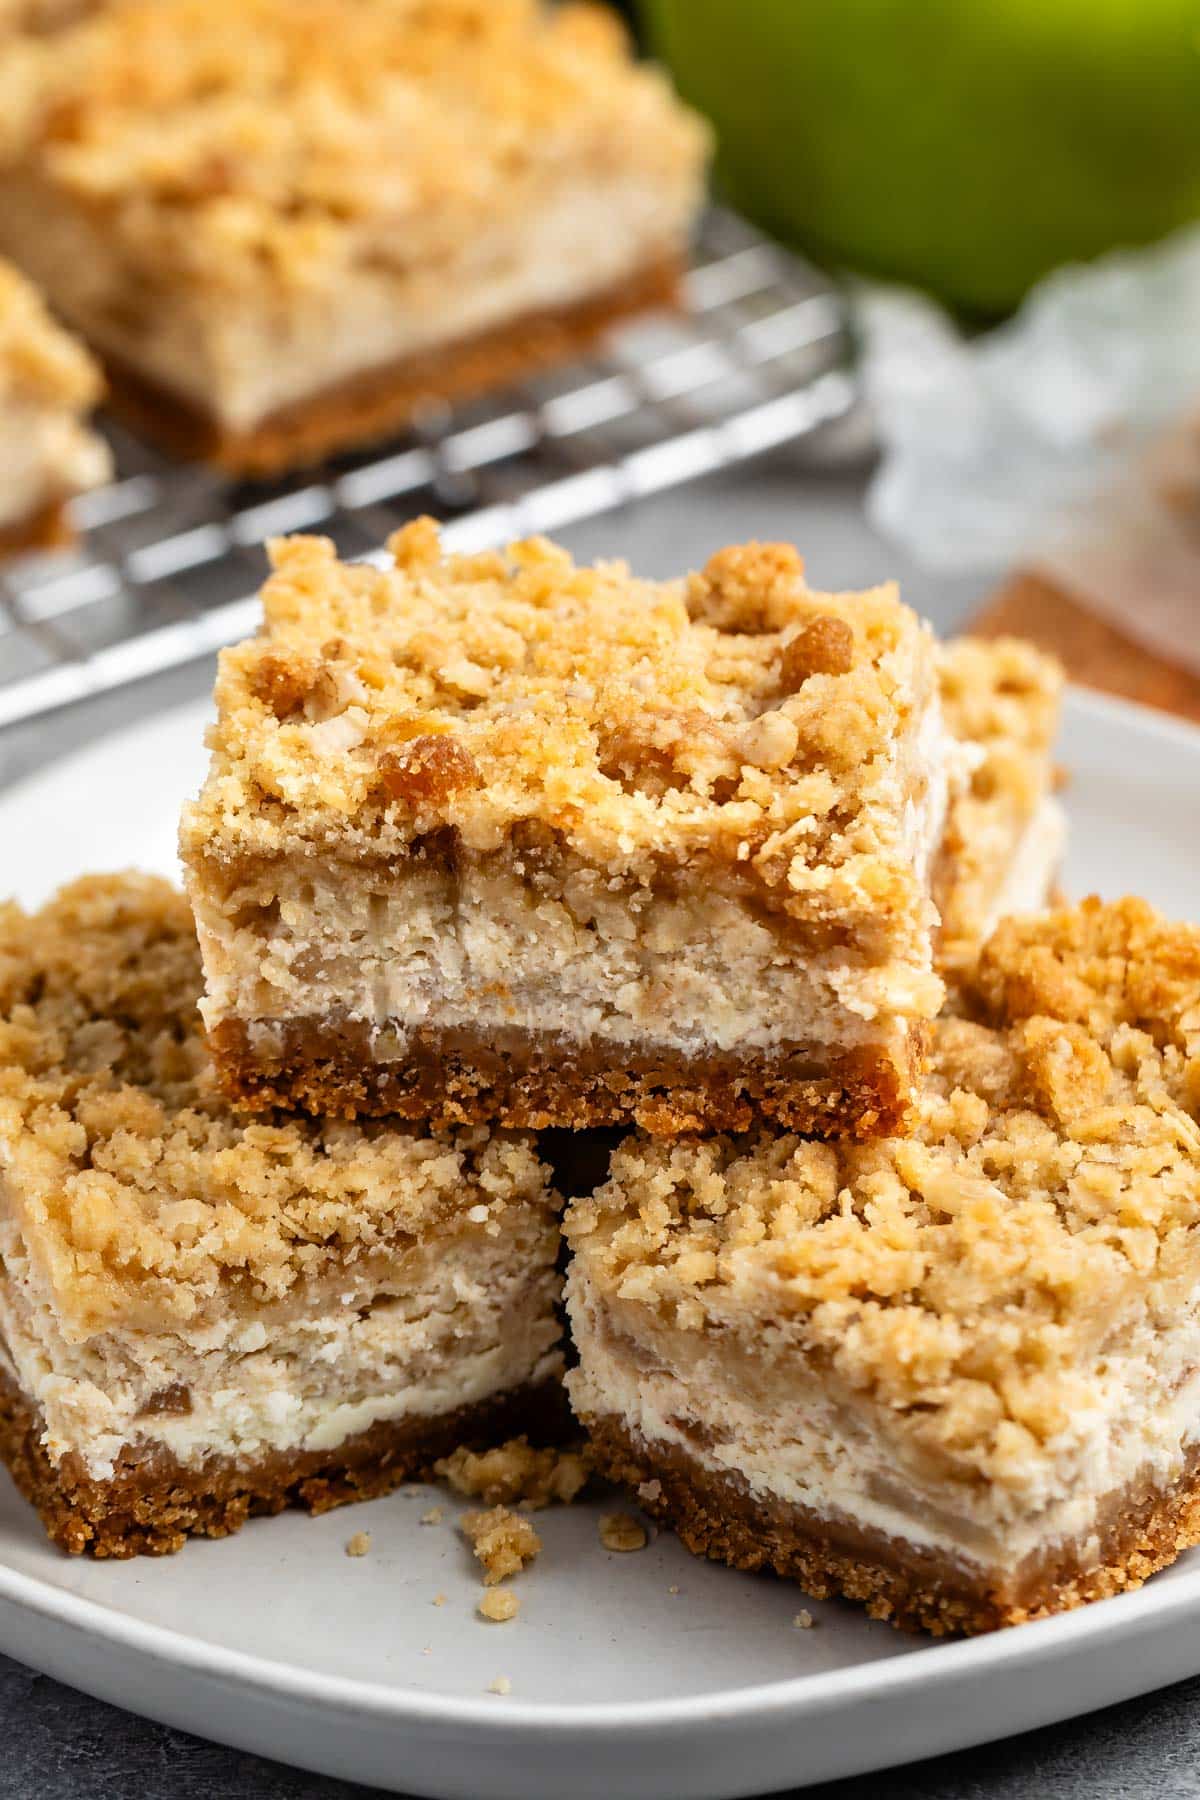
x: 914, y: 1588
x: 153, y: 1502
x: 514, y: 1079
x: 48, y: 528
x: 379, y: 401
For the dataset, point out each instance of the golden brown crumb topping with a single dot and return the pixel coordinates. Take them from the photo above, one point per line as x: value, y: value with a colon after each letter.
x: 1002, y: 695
x: 138, y: 1191
x: 515, y: 1473
x: 641, y: 724
x: 237, y: 141
x: 40, y: 363
x: 503, y: 1541
x: 967, y: 1276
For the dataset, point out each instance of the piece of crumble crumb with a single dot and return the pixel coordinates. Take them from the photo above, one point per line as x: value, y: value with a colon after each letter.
x: 649, y: 1491
x: 673, y: 1589
x: 501, y: 1685
x: 439, y: 1599
x: 618, y: 1531
x: 359, y: 1544
x: 515, y: 1473
x: 499, y: 1605
x: 432, y: 1517
x: 804, y: 1620
x: 503, y: 1541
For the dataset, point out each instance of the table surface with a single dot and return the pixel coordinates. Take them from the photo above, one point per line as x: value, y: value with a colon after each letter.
x: 61, y: 1745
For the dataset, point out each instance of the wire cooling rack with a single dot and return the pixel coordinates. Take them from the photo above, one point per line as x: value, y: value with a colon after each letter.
x: 170, y: 555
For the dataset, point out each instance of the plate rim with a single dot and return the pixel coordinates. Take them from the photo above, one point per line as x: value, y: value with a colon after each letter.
x: 1032, y: 1644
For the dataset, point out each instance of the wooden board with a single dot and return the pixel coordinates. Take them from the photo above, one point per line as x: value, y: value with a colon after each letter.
x: 1092, y: 652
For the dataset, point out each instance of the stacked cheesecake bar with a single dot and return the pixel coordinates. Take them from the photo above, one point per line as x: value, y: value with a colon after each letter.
x: 206, y: 1316
x: 497, y: 838
x: 950, y: 1373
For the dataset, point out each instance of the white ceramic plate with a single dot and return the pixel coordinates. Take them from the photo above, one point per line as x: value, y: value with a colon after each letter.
x: 640, y: 1675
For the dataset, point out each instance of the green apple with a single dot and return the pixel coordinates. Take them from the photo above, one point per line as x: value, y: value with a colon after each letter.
x: 966, y: 145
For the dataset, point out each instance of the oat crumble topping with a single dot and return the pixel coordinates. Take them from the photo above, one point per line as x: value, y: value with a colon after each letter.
x: 641, y: 724
x: 964, y: 1275
x: 502, y: 1541
x: 514, y: 1473
x: 140, y: 1191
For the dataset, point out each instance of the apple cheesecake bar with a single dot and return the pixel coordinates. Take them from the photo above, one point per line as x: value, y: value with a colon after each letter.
x: 286, y: 225
x: 496, y: 837
x: 954, y: 1374
x: 1005, y: 832
x: 48, y: 452
x: 204, y: 1317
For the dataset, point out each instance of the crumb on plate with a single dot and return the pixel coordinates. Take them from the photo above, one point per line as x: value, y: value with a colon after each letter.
x: 618, y: 1531
x: 503, y: 1541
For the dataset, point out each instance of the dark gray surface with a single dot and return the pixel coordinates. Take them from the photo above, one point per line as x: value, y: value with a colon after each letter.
x: 59, y: 1745
x: 56, y: 1744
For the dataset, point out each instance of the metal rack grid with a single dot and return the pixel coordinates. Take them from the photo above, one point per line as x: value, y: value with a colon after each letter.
x: 169, y: 552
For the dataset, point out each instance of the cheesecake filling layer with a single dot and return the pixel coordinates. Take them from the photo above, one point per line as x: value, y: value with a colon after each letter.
x: 404, y: 950
x: 789, y: 1441
x: 462, y: 1319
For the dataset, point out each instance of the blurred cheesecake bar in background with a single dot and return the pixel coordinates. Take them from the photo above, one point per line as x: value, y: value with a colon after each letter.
x: 954, y: 1374
x: 203, y: 1317
x: 287, y: 224
x: 48, y: 386
x: 498, y: 837
x: 1005, y: 832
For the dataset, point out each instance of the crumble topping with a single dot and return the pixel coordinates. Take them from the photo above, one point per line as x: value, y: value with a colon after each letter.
x: 139, y: 1189
x: 515, y: 1473
x: 359, y: 1544
x: 228, y: 142
x: 970, y: 1274
x: 1002, y: 695
x: 502, y: 1541
x: 40, y: 363
x: 737, y: 715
